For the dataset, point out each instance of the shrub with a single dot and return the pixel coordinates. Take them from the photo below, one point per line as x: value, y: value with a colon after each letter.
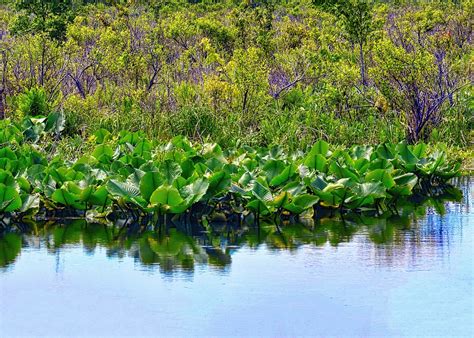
x: 33, y: 102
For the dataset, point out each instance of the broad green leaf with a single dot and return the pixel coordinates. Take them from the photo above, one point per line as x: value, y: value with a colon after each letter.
x: 180, y: 183
x: 30, y: 202
x: 195, y: 191
x: 380, y: 175
x: 321, y: 147
x: 6, y: 178
x: 301, y: 203
x: 64, y: 197
x: 280, y: 200
x: 102, y: 135
x: 285, y: 176
x: 246, y: 179
x: 86, y: 193
x: 55, y: 123
x: 24, y: 184
x: 9, y: 199
x: 362, y: 152
x: 404, y: 185
x: 366, y: 193
x: 166, y: 196
x: 218, y: 183
x: 6, y: 152
x: 406, y: 156
x: 143, y: 149
x: 187, y: 168
x: 122, y: 189
x: 380, y: 164
x: 273, y: 168
x: 100, y: 197
x: 342, y: 172
x: 305, y: 201
x: 258, y: 207
x: 316, y: 161
x: 103, y: 153
x: 261, y: 191
x: 385, y: 151
x: 149, y: 183
x: 170, y: 171
x: 406, y: 179
x: 419, y: 150
x: 361, y: 165
x: 294, y: 188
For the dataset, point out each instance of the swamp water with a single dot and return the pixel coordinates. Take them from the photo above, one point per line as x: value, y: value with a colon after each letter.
x: 408, y: 275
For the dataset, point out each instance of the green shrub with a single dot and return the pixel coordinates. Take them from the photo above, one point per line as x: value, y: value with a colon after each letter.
x: 33, y: 102
x: 195, y: 122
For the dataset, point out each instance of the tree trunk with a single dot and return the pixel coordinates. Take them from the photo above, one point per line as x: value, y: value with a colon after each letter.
x: 3, y: 86
x: 43, y: 56
x: 362, y: 64
x: 79, y: 86
x: 412, y: 136
x: 2, y: 105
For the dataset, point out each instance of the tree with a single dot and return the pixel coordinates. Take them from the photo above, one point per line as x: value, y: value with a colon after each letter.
x: 46, y: 19
x: 419, y: 66
x: 44, y: 16
x: 3, y: 72
x: 357, y: 19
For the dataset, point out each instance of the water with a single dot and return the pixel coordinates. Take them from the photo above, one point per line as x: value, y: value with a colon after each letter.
x: 405, y: 276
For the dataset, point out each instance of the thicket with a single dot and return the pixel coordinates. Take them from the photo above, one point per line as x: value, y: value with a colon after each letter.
x: 243, y: 72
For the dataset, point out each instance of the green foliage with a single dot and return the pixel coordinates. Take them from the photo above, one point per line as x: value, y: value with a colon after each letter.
x: 356, y: 16
x: 128, y: 174
x: 33, y: 102
x: 421, y: 69
x: 46, y: 16
x: 254, y: 73
x: 9, y: 198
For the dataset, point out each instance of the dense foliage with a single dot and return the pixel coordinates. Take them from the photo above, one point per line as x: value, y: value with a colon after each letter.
x: 244, y: 72
x: 127, y: 174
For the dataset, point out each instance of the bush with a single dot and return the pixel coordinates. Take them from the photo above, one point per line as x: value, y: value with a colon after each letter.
x: 195, y: 122
x: 33, y: 102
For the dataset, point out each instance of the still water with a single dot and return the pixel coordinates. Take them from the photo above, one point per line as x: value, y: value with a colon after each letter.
x: 410, y: 275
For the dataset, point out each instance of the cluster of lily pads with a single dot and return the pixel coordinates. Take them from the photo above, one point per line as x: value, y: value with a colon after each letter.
x: 127, y: 174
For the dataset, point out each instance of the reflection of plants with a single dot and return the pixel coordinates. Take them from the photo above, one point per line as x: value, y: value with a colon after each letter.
x: 380, y: 231
x: 10, y: 247
x: 337, y: 231
x: 173, y: 248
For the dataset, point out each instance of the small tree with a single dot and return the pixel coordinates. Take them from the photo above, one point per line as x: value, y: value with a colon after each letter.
x: 46, y: 19
x: 357, y: 19
x: 3, y: 70
x: 43, y: 16
x: 419, y: 66
x: 4, y: 46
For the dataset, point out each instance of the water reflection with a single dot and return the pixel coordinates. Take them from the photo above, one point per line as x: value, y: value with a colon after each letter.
x: 421, y: 228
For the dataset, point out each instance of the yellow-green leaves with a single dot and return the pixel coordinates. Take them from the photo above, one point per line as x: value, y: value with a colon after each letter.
x: 149, y: 183
x: 9, y: 199
x: 167, y: 198
x: 103, y: 153
x: 121, y: 175
x: 381, y: 175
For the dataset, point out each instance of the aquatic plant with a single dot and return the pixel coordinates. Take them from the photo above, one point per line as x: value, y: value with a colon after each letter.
x: 130, y: 175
